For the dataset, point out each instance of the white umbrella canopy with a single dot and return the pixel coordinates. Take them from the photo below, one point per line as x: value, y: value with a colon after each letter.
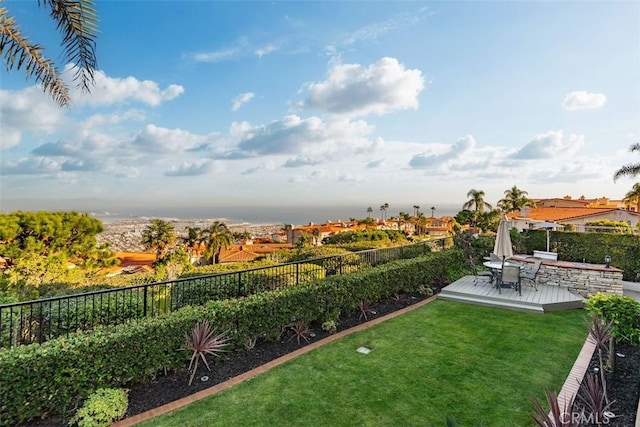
x: 503, y: 247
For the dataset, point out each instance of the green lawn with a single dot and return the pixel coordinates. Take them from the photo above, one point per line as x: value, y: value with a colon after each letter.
x: 476, y: 364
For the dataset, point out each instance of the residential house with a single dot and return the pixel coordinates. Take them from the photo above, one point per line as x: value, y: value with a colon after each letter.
x: 577, y: 216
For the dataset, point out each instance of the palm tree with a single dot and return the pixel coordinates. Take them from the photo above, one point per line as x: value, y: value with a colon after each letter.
x: 433, y: 210
x: 514, y: 200
x: 416, y: 210
x: 369, y: 211
x: 421, y: 223
x: 77, y: 21
x: 215, y: 238
x: 403, y: 218
x: 632, y: 169
x: 159, y: 235
x: 383, y: 209
x: 633, y: 196
x: 192, y: 239
x: 476, y: 201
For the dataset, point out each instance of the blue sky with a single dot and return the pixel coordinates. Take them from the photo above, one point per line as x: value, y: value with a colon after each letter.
x: 206, y: 103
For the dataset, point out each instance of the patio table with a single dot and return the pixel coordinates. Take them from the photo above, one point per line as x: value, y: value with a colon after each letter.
x: 496, y: 268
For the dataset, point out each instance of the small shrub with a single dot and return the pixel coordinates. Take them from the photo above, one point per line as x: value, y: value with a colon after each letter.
x: 365, y: 309
x: 102, y: 408
x: 593, y: 397
x: 555, y: 416
x: 203, y: 342
x: 300, y: 330
x: 600, y: 335
x: 330, y: 326
x: 622, y: 311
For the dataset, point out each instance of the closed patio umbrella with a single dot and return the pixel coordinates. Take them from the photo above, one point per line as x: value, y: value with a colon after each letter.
x: 502, y: 247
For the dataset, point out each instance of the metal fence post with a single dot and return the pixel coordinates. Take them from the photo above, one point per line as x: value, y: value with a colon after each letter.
x: 144, y: 299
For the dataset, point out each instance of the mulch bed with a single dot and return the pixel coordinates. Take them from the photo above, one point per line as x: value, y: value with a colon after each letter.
x: 623, y: 384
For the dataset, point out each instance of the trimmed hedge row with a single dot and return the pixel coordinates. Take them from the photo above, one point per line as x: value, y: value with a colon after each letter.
x: 624, y: 249
x: 39, y: 380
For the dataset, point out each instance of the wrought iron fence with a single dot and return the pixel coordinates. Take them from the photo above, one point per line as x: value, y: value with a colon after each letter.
x: 44, y: 319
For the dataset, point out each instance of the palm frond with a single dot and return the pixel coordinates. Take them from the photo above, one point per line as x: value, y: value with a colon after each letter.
x: 19, y: 53
x: 78, y: 23
x: 631, y: 170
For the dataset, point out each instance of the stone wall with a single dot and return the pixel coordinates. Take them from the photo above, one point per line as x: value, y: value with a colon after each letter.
x: 586, y: 279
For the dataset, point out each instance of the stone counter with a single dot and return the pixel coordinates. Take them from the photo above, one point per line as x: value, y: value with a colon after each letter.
x: 586, y: 279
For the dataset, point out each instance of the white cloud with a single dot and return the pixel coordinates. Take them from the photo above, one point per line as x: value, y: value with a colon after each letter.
x: 111, y: 90
x: 154, y: 139
x: 240, y: 100
x: 98, y: 120
x: 312, y: 137
x: 237, y: 49
x: 300, y: 161
x: 29, y: 111
x: 581, y: 100
x: 194, y: 168
x: 266, y: 50
x: 377, y: 29
x: 377, y: 89
x: 455, y: 151
x: 549, y: 145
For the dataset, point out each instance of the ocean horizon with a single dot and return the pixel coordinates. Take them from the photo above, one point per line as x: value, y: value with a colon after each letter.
x: 270, y: 214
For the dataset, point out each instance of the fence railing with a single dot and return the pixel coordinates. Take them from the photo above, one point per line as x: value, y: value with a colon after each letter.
x: 44, y: 319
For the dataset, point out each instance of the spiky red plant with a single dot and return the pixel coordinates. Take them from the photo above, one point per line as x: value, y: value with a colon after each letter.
x: 600, y: 334
x: 557, y: 416
x: 203, y: 342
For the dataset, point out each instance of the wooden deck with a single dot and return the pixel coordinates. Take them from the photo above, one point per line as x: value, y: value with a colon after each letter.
x: 481, y: 291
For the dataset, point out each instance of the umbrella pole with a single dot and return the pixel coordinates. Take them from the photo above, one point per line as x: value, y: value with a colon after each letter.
x: 547, y: 240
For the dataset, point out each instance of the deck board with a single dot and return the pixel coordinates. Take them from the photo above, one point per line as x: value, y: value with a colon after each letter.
x: 480, y: 290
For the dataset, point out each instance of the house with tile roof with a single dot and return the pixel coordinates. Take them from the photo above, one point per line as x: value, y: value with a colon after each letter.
x: 320, y: 231
x: 582, y: 202
x: 250, y: 252
x: 577, y: 216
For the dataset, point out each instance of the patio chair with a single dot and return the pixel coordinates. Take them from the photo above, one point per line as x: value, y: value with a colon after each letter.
x: 531, y: 273
x: 510, y: 276
x: 478, y: 273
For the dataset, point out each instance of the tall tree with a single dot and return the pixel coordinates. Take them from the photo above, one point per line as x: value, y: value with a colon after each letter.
x: 476, y: 201
x: 403, y: 219
x: 159, y: 236
x: 514, y: 200
x: 633, y: 196
x: 383, y: 209
x: 632, y: 169
x: 416, y: 210
x: 369, y: 211
x: 77, y: 21
x: 192, y: 239
x: 433, y: 211
x: 43, y: 245
x: 216, y: 237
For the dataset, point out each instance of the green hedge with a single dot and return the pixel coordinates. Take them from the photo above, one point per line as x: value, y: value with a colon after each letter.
x: 624, y: 249
x: 54, y: 377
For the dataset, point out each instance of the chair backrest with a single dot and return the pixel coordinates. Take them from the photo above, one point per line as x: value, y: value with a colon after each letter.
x: 510, y: 274
x: 536, y: 266
x: 532, y: 272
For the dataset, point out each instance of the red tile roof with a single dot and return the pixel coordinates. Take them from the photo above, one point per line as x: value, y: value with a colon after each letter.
x: 559, y: 214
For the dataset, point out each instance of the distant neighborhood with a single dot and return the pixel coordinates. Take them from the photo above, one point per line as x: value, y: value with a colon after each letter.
x: 568, y: 213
